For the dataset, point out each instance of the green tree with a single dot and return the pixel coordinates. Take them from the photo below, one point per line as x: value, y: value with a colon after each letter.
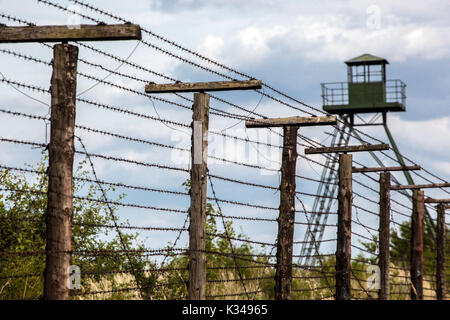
x: 22, y: 217
x: 400, y: 254
x: 401, y: 249
x: 222, y: 269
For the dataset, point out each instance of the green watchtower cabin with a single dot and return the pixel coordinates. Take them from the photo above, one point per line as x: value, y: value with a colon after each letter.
x: 366, y: 89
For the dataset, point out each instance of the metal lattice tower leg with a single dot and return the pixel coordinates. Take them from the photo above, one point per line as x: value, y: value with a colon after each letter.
x: 322, y: 204
x: 326, y: 191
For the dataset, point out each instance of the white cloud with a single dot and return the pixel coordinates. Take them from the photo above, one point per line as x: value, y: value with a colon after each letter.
x: 424, y: 136
x: 255, y: 40
x: 335, y: 34
x: 442, y: 166
x: 334, y: 37
x: 211, y: 46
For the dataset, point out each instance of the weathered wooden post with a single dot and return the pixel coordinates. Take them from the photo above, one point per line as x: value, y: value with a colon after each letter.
x: 286, y: 218
x: 345, y: 195
x: 197, y: 227
x: 344, y: 229
x: 440, y: 254
x: 440, y: 246
x: 384, y: 234
x: 417, y: 246
x: 61, y: 148
x: 384, y: 227
x: 199, y: 154
x: 61, y: 151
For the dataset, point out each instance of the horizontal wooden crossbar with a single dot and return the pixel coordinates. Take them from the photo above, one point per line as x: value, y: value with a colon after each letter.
x: 432, y: 200
x: 421, y: 186
x: 203, y: 86
x: 384, y: 169
x: 367, y: 147
x: 291, y: 121
x: 85, y: 32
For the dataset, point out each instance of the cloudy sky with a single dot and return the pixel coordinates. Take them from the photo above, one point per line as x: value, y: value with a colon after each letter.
x: 291, y: 45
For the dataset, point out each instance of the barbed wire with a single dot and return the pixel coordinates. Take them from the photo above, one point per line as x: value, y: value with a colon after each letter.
x: 219, y: 113
x: 139, y: 206
x: 202, y: 67
x: 103, y: 81
x: 100, y: 156
x: 315, y: 243
x: 226, y: 232
x: 113, y: 217
x: 164, y: 51
x: 361, y: 196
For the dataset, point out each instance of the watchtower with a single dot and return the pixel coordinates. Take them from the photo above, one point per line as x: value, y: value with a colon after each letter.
x: 366, y: 89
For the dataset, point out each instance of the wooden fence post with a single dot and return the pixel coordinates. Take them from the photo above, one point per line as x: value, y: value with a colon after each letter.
x: 440, y: 256
x: 61, y: 152
x: 283, y: 274
x: 343, y: 251
x: 384, y: 236
x: 61, y: 148
x: 197, y: 227
x: 345, y: 195
x: 417, y: 245
x: 199, y: 155
x: 286, y: 218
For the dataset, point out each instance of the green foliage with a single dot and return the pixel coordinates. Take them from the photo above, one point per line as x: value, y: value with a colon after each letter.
x: 19, y: 235
x: 401, y: 249
x: 400, y: 254
x: 118, y: 274
x: 220, y: 264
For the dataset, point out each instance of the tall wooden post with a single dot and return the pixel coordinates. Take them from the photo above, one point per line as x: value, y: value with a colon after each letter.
x: 61, y: 152
x: 417, y: 245
x: 61, y: 148
x: 440, y: 256
x: 197, y: 227
x: 199, y: 153
x: 286, y: 218
x: 384, y: 234
x: 384, y: 229
x: 283, y: 275
x: 345, y: 200
x: 343, y: 251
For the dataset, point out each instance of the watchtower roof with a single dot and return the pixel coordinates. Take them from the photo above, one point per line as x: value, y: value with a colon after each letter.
x: 366, y: 59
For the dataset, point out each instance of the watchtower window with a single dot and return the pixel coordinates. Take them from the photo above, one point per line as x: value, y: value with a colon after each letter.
x: 366, y: 73
x: 375, y: 73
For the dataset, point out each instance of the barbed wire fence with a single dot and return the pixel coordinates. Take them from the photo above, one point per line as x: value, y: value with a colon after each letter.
x: 153, y: 264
